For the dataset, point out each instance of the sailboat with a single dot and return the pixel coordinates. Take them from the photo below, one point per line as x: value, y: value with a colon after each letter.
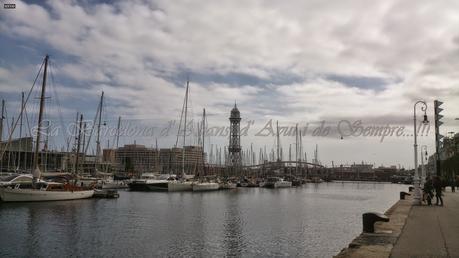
x: 42, y: 190
x: 182, y: 184
x: 169, y: 183
x: 200, y: 185
x: 205, y: 186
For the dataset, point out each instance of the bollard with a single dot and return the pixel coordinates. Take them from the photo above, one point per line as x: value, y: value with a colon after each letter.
x: 369, y: 220
x: 410, y: 189
x: 403, y: 194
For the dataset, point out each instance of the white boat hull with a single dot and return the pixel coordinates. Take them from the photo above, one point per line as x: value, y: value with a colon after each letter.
x: 175, y: 186
x: 199, y: 187
x: 282, y: 184
x: 36, y: 195
x: 228, y: 186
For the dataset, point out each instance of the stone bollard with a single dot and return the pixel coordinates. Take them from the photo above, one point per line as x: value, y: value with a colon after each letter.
x: 403, y: 194
x: 410, y: 189
x: 369, y: 220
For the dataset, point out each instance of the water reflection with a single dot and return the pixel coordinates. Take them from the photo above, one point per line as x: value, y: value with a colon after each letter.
x: 316, y: 220
x: 233, y: 238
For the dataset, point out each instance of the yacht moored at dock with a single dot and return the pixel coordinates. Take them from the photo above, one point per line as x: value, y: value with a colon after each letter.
x: 205, y: 186
x: 43, y: 191
x: 276, y: 182
x: 40, y: 190
x: 164, y: 183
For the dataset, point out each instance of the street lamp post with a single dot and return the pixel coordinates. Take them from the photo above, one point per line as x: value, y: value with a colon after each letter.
x: 423, y: 167
x: 417, y: 189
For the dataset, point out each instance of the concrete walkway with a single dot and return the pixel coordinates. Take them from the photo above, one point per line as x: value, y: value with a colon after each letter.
x: 431, y: 231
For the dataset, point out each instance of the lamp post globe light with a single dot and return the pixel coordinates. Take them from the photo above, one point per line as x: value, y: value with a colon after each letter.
x: 416, y: 181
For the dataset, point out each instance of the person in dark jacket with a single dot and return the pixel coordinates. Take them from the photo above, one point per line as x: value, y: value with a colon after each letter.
x: 428, y: 191
x: 437, y: 184
x: 453, y: 185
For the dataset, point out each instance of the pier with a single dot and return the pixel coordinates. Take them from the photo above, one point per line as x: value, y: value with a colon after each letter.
x: 431, y: 231
x: 413, y: 231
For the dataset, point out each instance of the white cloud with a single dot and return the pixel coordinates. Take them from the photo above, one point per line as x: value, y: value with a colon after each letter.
x: 129, y: 48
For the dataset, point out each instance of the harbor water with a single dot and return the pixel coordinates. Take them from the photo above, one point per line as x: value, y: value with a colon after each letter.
x: 314, y: 220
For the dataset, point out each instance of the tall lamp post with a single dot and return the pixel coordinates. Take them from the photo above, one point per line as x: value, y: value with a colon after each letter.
x: 423, y: 167
x: 417, y: 189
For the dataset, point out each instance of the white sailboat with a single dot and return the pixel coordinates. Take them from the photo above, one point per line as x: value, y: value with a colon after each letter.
x: 110, y: 183
x: 181, y: 184
x: 45, y: 191
x: 205, y: 186
x: 41, y: 190
x: 276, y: 182
x: 282, y: 184
x: 164, y: 182
x: 227, y: 185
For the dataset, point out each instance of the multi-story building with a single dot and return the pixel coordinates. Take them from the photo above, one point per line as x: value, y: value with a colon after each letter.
x: 108, y: 156
x: 353, y: 172
x: 384, y: 174
x: 171, y: 161
x: 137, y: 159
x: 18, y: 155
x: 19, y: 144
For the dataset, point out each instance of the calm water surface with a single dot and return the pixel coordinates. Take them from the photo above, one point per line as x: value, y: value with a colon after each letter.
x: 315, y: 220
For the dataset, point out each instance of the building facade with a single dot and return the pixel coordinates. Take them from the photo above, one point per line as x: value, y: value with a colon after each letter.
x: 171, y: 160
x: 136, y: 159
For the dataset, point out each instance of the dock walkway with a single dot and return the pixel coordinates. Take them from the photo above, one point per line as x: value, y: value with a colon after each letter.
x: 431, y: 231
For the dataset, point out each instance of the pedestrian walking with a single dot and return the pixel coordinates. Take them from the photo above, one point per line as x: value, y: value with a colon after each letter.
x: 428, y: 191
x: 453, y: 183
x: 437, y: 184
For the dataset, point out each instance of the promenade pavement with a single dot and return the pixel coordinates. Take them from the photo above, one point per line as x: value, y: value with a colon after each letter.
x: 431, y: 231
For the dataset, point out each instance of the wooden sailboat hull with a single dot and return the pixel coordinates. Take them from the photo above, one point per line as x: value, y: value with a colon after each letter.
x: 36, y: 195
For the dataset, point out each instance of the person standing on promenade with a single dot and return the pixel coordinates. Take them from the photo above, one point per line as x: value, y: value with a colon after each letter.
x: 437, y: 184
x: 453, y: 185
x: 428, y: 188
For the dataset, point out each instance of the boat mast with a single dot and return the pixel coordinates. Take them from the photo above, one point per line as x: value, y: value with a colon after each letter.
x: 20, y: 130
x: 1, y: 120
x: 203, y: 137
x: 11, y: 135
x: 84, y: 143
x: 278, y: 142
x: 118, y: 131
x: 184, y: 128
x: 22, y: 111
x: 78, y: 145
x: 252, y: 155
x: 36, y: 169
x: 75, y: 139
x: 296, y: 144
x: 157, y: 156
x: 98, y: 130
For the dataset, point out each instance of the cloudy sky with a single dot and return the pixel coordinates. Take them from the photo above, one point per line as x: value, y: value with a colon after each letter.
x: 301, y: 62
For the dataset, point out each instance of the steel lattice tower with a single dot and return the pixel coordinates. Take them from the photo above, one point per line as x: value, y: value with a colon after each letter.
x: 234, y: 147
